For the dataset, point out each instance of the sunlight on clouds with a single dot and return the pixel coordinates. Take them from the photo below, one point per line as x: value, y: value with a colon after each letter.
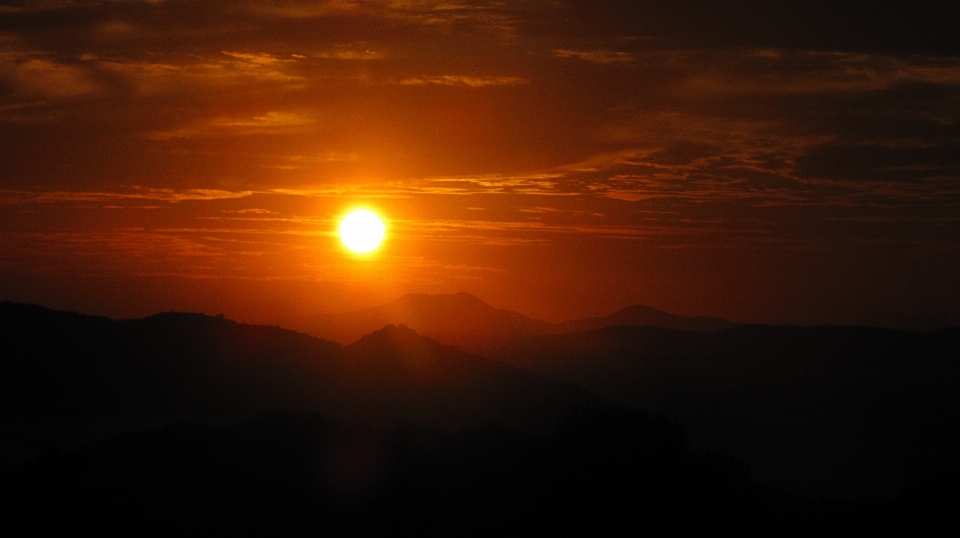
x: 462, y: 80
x: 12, y: 197
x: 52, y: 80
x: 258, y: 58
x: 540, y: 184
x: 303, y: 162
x: 345, y: 191
x: 210, y: 73
x: 350, y: 55
x: 269, y: 123
x: 536, y: 185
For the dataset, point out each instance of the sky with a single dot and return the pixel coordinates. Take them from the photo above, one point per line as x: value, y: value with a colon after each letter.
x: 761, y: 161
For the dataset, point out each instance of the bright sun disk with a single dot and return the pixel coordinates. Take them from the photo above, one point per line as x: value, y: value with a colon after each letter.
x: 362, y: 231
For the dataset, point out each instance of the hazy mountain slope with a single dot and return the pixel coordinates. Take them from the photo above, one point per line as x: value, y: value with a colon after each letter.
x: 641, y: 315
x: 64, y: 366
x: 68, y: 369
x: 444, y: 385
x: 463, y: 319
x: 437, y: 316
x: 916, y: 322
x: 846, y: 411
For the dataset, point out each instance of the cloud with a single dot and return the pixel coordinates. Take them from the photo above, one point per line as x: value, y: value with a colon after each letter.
x: 772, y: 72
x: 596, y: 56
x: 14, y: 197
x: 736, y: 119
x: 258, y: 59
x: 921, y: 27
x: 464, y: 80
x: 97, y: 253
x: 533, y: 185
x: 46, y: 79
x: 214, y: 73
x: 309, y: 9
x: 500, y: 17
x: 269, y: 123
x: 347, y: 54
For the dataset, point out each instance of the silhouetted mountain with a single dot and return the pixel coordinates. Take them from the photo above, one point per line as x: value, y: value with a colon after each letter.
x: 640, y: 315
x: 465, y: 320
x: 916, y: 322
x: 437, y: 316
x: 444, y: 385
x: 603, y: 468
x: 66, y: 374
x: 842, y: 411
x: 839, y: 411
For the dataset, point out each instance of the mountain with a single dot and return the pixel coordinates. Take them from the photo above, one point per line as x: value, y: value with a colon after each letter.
x: 916, y: 322
x: 848, y: 412
x: 417, y: 377
x: 641, y: 315
x: 71, y: 377
x: 302, y: 474
x: 444, y: 317
x: 463, y: 319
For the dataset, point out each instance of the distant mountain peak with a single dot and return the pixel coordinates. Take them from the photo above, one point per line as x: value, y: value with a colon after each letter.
x: 639, y: 309
x: 640, y: 315
x: 454, y: 300
x: 394, y: 332
x: 397, y: 338
x: 443, y: 317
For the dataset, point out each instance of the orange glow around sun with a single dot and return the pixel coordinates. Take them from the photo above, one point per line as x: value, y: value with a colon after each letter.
x: 362, y: 231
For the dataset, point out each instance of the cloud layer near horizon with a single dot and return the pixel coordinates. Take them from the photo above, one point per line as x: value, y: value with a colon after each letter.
x: 139, y: 134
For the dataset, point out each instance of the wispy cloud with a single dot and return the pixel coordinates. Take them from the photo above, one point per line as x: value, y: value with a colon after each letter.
x: 540, y: 185
x: 33, y: 76
x: 796, y: 72
x: 257, y: 58
x: 348, y: 54
x: 304, y: 9
x: 464, y: 80
x: 596, y: 56
x: 11, y: 197
x: 228, y: 69
x: 269, y: 123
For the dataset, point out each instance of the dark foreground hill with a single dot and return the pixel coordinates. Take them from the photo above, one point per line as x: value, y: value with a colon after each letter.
x: 841, y: 411
x: 97, y: 396
x: 66, y: 375
x: 604, y: 470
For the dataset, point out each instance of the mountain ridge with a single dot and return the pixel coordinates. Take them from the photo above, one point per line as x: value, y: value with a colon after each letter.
x: 872, y: 409
x: 463, y: 318
x: 67, y: 368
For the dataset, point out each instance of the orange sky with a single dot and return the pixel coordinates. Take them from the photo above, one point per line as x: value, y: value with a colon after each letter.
x: 764, y: 161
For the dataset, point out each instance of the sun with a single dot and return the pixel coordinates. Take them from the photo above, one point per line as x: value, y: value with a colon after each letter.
x: 362, y: 231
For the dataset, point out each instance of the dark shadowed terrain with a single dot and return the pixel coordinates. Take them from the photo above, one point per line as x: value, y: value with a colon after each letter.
x: 848, y: 412
x: 602, y: 470
x: 195, y: 423
x: 66, y: 376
